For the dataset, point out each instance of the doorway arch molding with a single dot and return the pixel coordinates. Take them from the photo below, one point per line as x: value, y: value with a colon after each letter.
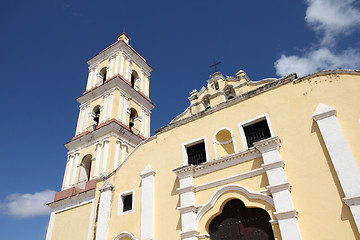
x: 240, y: 190
x: 125, y: 234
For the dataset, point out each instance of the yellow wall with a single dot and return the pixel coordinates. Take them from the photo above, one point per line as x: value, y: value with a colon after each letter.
x: 72, y: 223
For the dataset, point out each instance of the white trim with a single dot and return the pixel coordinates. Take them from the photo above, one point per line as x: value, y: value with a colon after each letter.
x: 121, y: 203
x: 124, y: 234
x: 191, y: 143
x: 230, y: 179
x: 252, y: 195
x: 104, y: 211
x: 252, y: 121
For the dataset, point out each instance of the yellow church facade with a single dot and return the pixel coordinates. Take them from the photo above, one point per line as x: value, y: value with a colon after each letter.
x: 269, y: 159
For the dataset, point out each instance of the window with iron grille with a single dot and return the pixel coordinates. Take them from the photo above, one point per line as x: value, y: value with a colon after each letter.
x: 127, y: 202
x: 196, y: 153
x: 256, y: 132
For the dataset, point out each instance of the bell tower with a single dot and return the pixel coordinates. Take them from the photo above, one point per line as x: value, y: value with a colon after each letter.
x: 114, y: 114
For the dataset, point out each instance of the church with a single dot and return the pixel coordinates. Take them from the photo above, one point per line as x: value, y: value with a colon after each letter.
x: 250, y: 160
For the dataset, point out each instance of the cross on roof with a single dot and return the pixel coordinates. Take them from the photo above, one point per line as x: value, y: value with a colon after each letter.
x: 214, y: 65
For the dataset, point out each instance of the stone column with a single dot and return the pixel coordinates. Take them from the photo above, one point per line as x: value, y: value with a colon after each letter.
x: 109, y: 107
x: 146, y: 124
x: 279, y: 187
x: 123, y: 152
x: 147, y: 84
x: 341, y: 157
x: 117, y: 153
x: 187, y: 203
x: 116, y: 68
x: 124, y: 112
x: 86, y: 117
x: 97, y: 160
x: 121, y: 106
x: 147, y: 204
x: 122, y: 64
x: 74, y: 170
x: 69, y: 169
x: 105, y: 155
x: 104, y: 211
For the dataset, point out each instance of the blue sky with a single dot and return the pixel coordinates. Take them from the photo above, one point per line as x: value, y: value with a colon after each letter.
x: 45, y: 45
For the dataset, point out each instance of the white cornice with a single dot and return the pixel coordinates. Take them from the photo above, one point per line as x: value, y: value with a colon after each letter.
x: 111, y: 84
x: 351, y: 201
x: 323, y: 111
x: 126, y: 49
x: 292, y: 213
x: 111, y: 129
x: 269, y: 144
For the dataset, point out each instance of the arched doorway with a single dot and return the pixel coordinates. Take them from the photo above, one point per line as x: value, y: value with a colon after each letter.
x: 237, y: 222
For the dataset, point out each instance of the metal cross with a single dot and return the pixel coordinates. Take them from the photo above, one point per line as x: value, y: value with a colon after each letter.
x: 215, y: 64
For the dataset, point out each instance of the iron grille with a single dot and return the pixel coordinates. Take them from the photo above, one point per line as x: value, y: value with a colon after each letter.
x: 196, y: 153
x: 256, y: 132
x: 127, y: 201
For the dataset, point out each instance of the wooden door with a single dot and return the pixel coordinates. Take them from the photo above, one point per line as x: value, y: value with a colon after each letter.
x: 238, y: 222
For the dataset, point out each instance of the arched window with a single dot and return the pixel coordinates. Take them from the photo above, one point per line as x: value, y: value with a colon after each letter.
x: 239, y: 222
x: 133, y: 115
x: 102, y: 75
x: 206, y: 101
x: 229, y: 92
x: 85, y: 170
x: 96, y: 115
x: 134, y: 78
x: 224, y: 144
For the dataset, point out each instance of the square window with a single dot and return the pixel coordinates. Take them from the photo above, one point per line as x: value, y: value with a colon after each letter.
x: 256, y: 132
x: 196, y: 153
x: 127, y: 202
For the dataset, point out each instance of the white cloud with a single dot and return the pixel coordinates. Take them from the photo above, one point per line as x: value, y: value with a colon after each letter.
x: 317, y: 60
x: 331, y: 18
x: 27, y: 205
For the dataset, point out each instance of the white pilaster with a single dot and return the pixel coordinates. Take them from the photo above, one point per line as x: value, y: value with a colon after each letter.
x: 105, y: 155
x: 142, y: 122
x: 146, y: 124
x: 70, y: 164
x: 109, y: 107
x: 103, y: 116
x: 147, y: 203
x: 116, y: 67
x: 86, y: 118
x: 121, y: 106
x: 97, y: 160
x: 74, y: 169
x: 279, y: 188
x: 341, y: 157
x: 50, y: 226
x: 122, y: 64
x: 82, y: 115
x: 127, y: 77
x: 111, y: 67
x: 187, y: 204
x: 146, y: 91
x: 124, y: 112
x: 94, y: 77
x: 104, y: 211
x: 90, y: 79
x: 117, y: 153
x: 123, y: 151
x: 142, y: 81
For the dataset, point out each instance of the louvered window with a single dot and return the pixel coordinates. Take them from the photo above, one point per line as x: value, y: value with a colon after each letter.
x: 196, y: 153
x: 256, y: 132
